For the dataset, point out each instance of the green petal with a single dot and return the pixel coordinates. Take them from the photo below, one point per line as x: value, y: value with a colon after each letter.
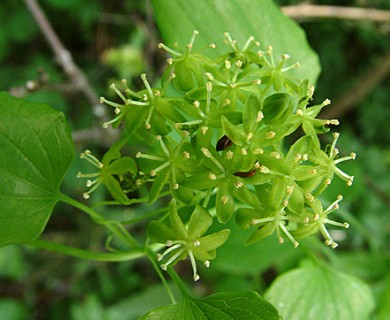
x: 224, y: 203
x: 213, y: 241
x: 249, y: 116
x: 183, y: 194
x: 278, y: 107
x: 159, y: 232
x: 158, y: 184
x: 245, y: 216
x: 234, y: 133
x: 200, y: 181
x: 199, y: 222
x: 122, y: 165
x: 176, y: 224
x: 261, y: 233
x: 114, y: 151
x: 115, y: 189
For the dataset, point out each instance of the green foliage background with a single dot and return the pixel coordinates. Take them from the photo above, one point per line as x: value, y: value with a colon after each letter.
x: 117, y: 39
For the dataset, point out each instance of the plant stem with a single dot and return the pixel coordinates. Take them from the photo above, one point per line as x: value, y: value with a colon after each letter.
x: 114, y: 226
x: 179, y: 283
x: 151, y: 255
x: 86, y: 254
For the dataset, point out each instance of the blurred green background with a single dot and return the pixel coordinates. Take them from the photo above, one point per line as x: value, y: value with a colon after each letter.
x: 111, y: 40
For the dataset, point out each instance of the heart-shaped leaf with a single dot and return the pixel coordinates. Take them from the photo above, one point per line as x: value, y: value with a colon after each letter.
x: 318, y: 292
x: 36, y: 151
x: 246, y: 305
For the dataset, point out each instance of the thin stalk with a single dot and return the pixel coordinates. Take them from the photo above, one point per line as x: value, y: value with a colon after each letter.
x: 86, y: 254
x: 183, y: 290
x: 114, y: 226
x: 151, y: 256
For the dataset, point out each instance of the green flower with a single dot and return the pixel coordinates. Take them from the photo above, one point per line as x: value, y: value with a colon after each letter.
x: 184, y: 240
x: 317, y: 219
x: 111, y: 165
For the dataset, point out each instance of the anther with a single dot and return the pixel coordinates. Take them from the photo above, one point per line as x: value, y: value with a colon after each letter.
x: 270, y: 135
x: 186, y: 154
x: 226, y: 102
x: 225, y: 200
x: 258, y: 151
x: 275, y: 154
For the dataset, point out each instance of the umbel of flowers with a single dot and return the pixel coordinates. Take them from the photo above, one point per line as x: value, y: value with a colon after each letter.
x: 213, y: 136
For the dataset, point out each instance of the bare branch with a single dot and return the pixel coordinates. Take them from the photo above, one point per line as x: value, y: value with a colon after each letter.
x: 65, y: 59
x: 305, y: 11
x: 63, y: 56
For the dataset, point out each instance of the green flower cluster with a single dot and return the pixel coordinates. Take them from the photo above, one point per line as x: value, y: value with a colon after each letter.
x: 214, y: 135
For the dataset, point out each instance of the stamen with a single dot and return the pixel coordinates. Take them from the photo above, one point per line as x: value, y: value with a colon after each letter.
x: 169, y: 50
x: 120, y: 95
x: 173, y: 258
x: 193, y: 264
x: 270, y: 135
x: 263, y: 220
x: 150, y: 157
x: 247, y: 44
x: 208, y: 154
x: 167, y: 251
x: 159, y: 168
x: 288, y: 234
x: 87, y: 155
x: 163, y: 146
x: 87, y: 175
x: 147, y: 86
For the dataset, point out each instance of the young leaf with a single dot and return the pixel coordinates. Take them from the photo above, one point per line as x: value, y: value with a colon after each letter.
x: 246, y: 305
x: 36, y: 151
x: 318, y: 292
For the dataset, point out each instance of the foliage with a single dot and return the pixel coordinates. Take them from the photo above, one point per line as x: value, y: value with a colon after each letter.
x: 193, y: 229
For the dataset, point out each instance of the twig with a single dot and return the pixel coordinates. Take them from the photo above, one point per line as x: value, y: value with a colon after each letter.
x: 64, y: 58
x: 304, y: 11
x: 360, y: 90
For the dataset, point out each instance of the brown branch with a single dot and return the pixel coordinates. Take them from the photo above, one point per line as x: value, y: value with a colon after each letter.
x: 63, y: 56
x: 65, y: 59
x: 305, y: 11
x: 360, y: 90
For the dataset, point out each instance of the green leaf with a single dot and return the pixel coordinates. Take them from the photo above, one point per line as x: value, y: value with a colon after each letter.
x: 36, y: 151
x: 246, y: 305
x: 177, y: 19
x: 318, y: 292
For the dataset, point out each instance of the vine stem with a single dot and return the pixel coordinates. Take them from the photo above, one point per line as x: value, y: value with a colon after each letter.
x: 86, y: 254
x: 114, y: 226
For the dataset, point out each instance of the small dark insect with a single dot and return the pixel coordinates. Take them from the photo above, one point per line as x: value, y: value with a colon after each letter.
x: 247, y: 174
x: 223, y: 143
